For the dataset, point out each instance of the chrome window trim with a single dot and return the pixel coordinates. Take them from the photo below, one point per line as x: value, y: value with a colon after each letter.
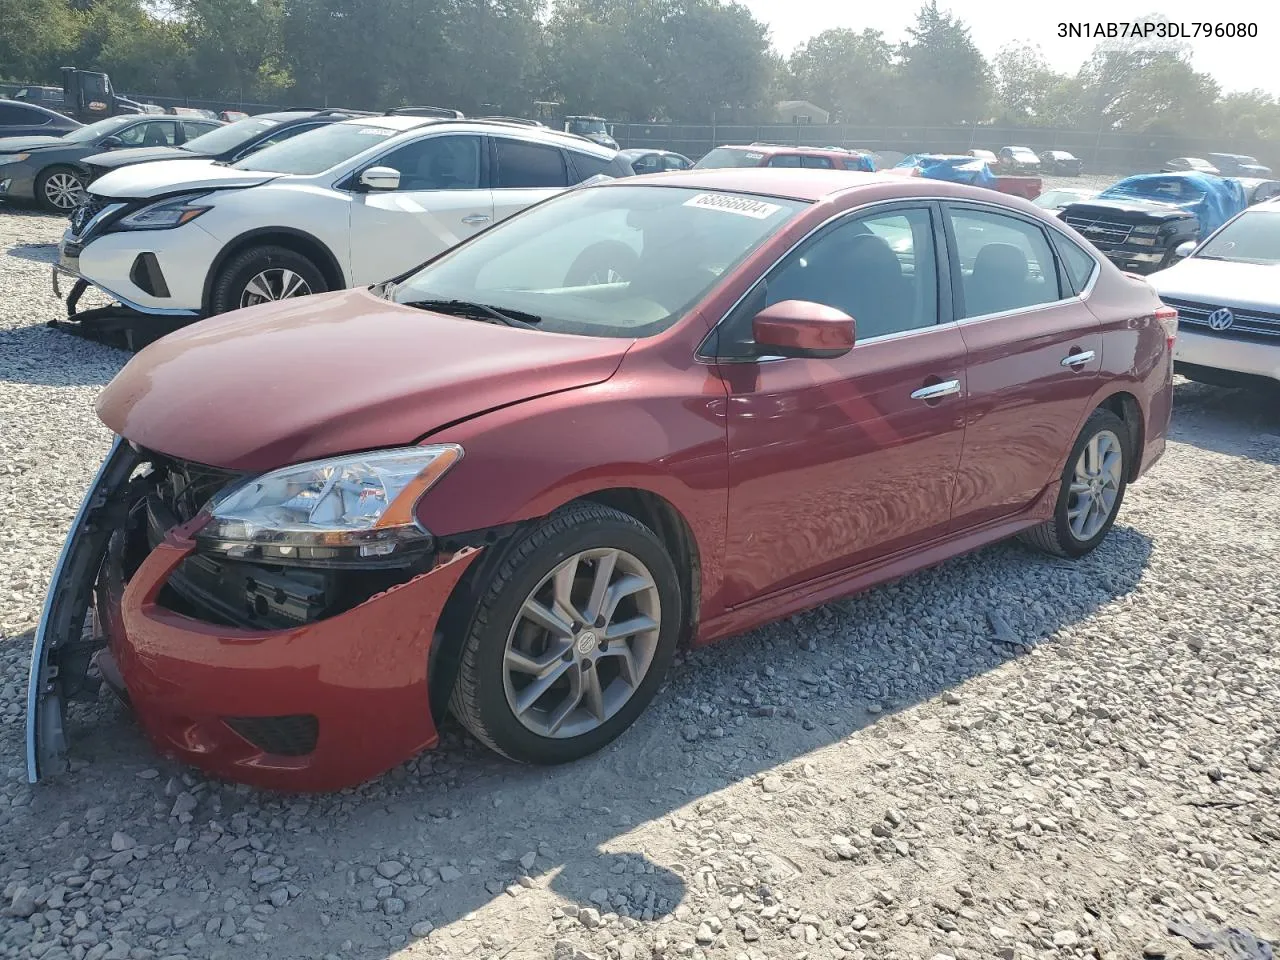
x: 701, y: 356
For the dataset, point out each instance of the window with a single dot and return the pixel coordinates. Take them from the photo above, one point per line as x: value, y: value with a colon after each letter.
x: 15, y: 113
x: 523, y: 164
x: 1079, y: 265
x: 785, y: 160
x: 153, y: 133
x: 1005, y: 263
x: 879, y: 269
x: 674, y: 163
x: 816, y: 163
x: 318, y: 150
x: 436, y: 163
x: 198, y: 128
x: 649, y: 163
x: 587, y: 166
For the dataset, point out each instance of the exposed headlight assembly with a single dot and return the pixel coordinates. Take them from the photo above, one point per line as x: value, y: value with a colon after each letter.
x: 357, y: 508
x: 165, y: 215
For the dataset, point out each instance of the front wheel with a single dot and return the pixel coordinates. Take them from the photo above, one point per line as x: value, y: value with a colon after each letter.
x: 263, y: 274
x: 1093, y: 485
x: 571, y: 638
x: 60, y: 189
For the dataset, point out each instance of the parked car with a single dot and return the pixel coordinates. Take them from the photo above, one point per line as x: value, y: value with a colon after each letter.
x: 1189, y: 164
x: 1140, y: 222
x: 231, y: 116
x: 48, y: 169
x: 386, y: 470
x: 51, y: 98
x: 966, y: 169
x: 1018, y: 160
x: 1257, y: 191
x: 1238, y: 165
x: 1228, y: 303
x: 18, y: 119
x: 784, y: 155
x: 353, y: 202
x: 226, y: 144
x: 986, y: 156
x: 1061, y: 162
x: 1062, y: 197
x: 655, y: 161
x: 594, y: 129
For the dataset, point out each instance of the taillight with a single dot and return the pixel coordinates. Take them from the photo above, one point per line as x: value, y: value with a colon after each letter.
x: 1168, y: 318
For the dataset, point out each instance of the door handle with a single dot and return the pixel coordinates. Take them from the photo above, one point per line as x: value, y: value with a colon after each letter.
x: 937, y: 391
x: 1076, y: 359
x: 475, y: 218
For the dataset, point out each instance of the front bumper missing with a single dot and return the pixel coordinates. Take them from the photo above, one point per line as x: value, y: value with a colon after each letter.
x: 119, y: 325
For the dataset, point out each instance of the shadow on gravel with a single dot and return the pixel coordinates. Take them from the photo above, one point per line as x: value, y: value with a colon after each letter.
x: 35, y: 252
x: 847, y: 672
x: 1237, y: 422
x: 39, y: 355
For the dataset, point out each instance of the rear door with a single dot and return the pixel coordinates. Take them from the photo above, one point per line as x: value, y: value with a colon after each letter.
x: 443, y: 199
x: 1035, y: 359
x: 525, y: 173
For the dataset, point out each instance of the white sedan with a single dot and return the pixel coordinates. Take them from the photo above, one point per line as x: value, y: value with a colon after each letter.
x: 1228, y: 301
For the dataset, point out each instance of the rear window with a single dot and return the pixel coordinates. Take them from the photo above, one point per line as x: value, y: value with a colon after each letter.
x: 726, y: 157
x: 1079, y: 265
x: 585, y: 166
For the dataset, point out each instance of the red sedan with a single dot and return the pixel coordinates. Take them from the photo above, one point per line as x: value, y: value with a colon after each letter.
x: 509, y: 484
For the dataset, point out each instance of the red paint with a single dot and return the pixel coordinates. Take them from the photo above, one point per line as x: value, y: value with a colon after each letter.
x: 799, y: 480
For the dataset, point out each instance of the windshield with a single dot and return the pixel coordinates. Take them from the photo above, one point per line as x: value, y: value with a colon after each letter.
x: 316, y: 150
x: 615, y: 261
x: 96, y: 131
x: 587, y: 126
x: 1251, y: 238
x: 222, y: 139
x: 1052, y: 199
x: 728, y: 157
x: 1160, y: 189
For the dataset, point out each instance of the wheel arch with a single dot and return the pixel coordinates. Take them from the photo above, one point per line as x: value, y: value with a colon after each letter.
x: 1127, y: 407
x: 299, y: 241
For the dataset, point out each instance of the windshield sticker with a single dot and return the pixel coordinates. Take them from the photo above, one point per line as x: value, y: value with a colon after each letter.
x: 375, y: 131
x: 755, y: 156
x: 743, y: 206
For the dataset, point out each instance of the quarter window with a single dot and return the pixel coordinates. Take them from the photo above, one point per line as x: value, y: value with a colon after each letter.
x: 1079, y: 265
x: 523, y: 164
x: 587, y: 166
x: 436, y: 163
x: 1005, y: 263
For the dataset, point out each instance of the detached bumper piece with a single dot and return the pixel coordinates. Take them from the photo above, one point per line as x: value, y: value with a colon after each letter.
x: 116, y: 325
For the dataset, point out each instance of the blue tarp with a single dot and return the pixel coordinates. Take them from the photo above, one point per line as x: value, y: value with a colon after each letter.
x: 1213, y: 200
x: 955, y: 169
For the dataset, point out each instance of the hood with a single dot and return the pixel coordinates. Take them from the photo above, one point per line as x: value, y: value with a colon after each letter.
x: 143, y: 180
x: 123, y: 158
x: 335, y: 373
x: 1219, y: 283
x: 1135, y: 209
x: 26, y: 144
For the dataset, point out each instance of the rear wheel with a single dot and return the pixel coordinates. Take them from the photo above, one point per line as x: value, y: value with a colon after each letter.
x: 571, y: 639
x: 1093, y: 485
x: 60, y: 189
x: 263, y: 274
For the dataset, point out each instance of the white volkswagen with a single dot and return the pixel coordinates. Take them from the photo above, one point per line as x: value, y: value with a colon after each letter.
x: 1228, y: 301
x: 352, y: 203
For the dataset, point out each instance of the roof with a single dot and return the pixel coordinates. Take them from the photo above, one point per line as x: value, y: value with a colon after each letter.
x: 798, y: 183
x: 773, y: 149
x: 405, y: 122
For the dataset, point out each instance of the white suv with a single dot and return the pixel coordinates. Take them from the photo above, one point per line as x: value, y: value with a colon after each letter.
x: 349, y: 204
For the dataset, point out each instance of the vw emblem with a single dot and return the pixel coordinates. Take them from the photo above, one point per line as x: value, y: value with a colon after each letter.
x: 1221, y: 319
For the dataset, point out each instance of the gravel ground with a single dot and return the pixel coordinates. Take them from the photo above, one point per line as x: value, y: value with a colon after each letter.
x: 1007, y: 756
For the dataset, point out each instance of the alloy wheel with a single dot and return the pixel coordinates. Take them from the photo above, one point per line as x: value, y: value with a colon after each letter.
x: 582, y: 643
x: 1095, y: 485
x: 275, y: 284
x: 64, y: 191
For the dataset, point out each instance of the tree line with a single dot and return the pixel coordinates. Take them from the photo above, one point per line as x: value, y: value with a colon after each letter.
x: 637, y: 60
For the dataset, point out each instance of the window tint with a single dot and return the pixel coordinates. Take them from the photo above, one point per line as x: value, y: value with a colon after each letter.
x: 818, y: 163
x: 585, y: 165
x: 153, y: 133
x: 437, y: 163
x: 881, y: 270
x: 528, y: 165
x: 784, y: 160
x: 16, y: 113
x: 1005, y: 263
x: 1079, y: 265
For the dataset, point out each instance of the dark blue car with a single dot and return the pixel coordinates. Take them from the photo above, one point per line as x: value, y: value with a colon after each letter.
x: 18, y: 119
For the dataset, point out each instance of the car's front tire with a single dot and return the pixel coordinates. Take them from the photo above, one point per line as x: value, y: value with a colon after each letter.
x: 570, y: 639
x: 1094, y: 481
x: 263, y: 274
x: 60, y: 189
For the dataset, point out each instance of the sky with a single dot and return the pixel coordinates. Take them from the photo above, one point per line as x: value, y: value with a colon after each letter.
x: 1237, y: 64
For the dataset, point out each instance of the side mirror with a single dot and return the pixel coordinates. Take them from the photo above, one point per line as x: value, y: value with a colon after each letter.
x: 1183, y: 250
x: 111, y: 143
x: 801, y: 328
x: 380, y: 178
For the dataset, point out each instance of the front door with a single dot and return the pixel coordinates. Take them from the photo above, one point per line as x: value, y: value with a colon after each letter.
x: 837, y: 462
x: 525, y: 173
x: 1035, y: 361
x: 441, y: 201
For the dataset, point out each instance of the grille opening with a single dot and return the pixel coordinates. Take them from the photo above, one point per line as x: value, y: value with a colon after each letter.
x: 294, y: 735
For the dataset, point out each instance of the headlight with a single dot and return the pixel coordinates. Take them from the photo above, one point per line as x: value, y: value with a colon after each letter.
x: 164, y: 215
x: 349, y: 508
x: 1145, y: 231
x: 12, y: 158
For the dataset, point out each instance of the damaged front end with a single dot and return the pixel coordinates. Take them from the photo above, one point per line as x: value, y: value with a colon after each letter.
x: 250, y: 635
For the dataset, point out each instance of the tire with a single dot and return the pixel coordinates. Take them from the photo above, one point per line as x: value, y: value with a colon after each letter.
x: 51, y: 189
x: 232, y: 288
x: 606, y: 262
x: 484, y: 696
x: 1056, y: 536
